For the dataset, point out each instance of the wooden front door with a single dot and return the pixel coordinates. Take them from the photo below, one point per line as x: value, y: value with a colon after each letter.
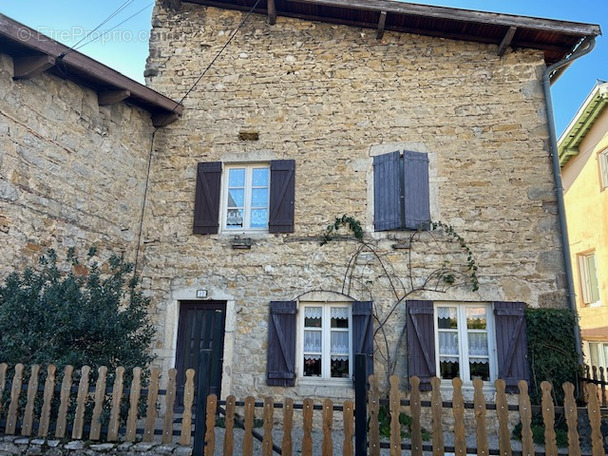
x: 201, y: 326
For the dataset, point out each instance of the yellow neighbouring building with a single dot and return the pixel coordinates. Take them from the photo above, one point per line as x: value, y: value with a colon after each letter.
x: 583, y: 153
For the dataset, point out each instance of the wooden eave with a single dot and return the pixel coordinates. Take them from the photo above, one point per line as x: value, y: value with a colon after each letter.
x: 592, y: 108
x: 557, y: 39
x: 34, y: 53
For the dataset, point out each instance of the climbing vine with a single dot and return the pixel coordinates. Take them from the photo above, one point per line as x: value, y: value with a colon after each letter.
x: 346, y: 221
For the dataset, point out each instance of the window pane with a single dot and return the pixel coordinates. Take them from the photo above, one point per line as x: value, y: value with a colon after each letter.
x: 594, y: 354
x: 340, y: 343
x: 236, y: 177
x: 259, y: 197
x: 339, y: 317
x: 312, y: 342
x: 446, y: 318
x: 234, y: 218
x: 479, y: 369
x: 476, y: 318
x: 259, y: 218
x: 339, y: 367
x: 478, y: 344
x: 448, y: 343
x: 313, y: 317
x: 594, y: 292
x: 449, y: 369
x: 236, y: 197
x: 260, y: 177
x: 312, y: 366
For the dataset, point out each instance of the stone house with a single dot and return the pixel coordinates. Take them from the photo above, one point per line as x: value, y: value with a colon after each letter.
x: 419, y: 135
x: 583, y: 152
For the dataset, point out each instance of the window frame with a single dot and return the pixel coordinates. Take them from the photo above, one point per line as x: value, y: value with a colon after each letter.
x: 326, y: 344
x: 587, y: 287
x: 601, y: 354
x: 462, y: 332
x: 603, y: 168
x: 248, y: 189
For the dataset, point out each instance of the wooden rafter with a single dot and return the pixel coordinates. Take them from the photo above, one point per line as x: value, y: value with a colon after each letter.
x: 506, y: 41
x: 381, y: 24
x: 29, y: 66
x: 110, y: 97
x: 162, y: 120
x: 272, y: 12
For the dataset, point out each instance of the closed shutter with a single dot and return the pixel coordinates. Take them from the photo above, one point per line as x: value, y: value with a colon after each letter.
x: 363, y: 332
x: 388, y: 203
x: 207, y: 198
x: 280, y: 366
x: 511, y: 343
x: 421, y: 341
x: 416, y: 190
x: 282, y: 196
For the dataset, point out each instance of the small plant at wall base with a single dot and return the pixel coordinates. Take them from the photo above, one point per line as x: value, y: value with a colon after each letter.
x: 74, y: 312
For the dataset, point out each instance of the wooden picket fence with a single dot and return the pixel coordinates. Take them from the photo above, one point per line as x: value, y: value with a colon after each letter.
x: 29, y: 414
x: 599, y: 377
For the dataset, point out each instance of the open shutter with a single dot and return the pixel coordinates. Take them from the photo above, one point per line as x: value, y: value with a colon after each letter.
x: 281, y: 362
x: 282, y: 196
x: 421, y: 341
x: 511, y: 343
x: 387, y: 192
x: 416, y: 190
x: 363, y: 332
x: 207, y: 198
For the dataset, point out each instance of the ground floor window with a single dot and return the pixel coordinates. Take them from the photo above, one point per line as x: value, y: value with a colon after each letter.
x: 598, y: 354
x: 326, y: 348
x: 464, y: 339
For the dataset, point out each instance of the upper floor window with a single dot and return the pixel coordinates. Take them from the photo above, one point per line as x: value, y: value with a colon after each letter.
x: 246, y: 197
x: 401, y: 191
x: 603, y: 159
x: 464, y: 346
x: 598, y: 354
x: 588, y: 276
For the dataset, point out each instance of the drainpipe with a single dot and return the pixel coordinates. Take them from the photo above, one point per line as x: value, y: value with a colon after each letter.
x: 584, y: 48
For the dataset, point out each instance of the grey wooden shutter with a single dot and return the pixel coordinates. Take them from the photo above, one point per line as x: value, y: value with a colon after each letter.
x: 511, y: 343
x: 363, y: 332
x: 416, y: 190
x: 282, y: 196
x: 281, y: 361
x: 421, y: 341
x: 388, y: 203
x: 207, y: 198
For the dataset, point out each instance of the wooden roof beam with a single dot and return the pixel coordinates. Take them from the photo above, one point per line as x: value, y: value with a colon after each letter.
x: 506, y: 41
x: 381, y: 24
x: 162, y: 120
x: 272, y: 12
x: 29, y: 66
x: 110, y: 97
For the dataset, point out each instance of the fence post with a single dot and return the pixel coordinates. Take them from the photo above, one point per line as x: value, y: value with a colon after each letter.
x: 202, y: 391
x: 360, y: 404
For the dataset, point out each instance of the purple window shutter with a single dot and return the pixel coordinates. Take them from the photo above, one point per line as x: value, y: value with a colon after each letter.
x: 282, y: 196
x: 511, y: 343
x: 207, y: 198
x: 421, y: 341
x: 416, y: 190
x: 388, y: 204
x: 363, y: 332
x: 281, y: 362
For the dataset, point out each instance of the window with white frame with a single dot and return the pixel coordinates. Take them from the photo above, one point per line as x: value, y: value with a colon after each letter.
x: 603, y: 159
x: 598, y: 354
x: 588, y: 275
x: 326, y: 342
x: 465, y: 342
x: 246, y: 197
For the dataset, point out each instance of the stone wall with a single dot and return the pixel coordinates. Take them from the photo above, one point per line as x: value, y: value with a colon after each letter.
x: 14, y: 446
x: 72, y: 172
x: 331, y: 97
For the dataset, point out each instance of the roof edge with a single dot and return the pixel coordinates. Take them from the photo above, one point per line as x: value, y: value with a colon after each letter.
x: 593, y: 106
x: 33, y: 43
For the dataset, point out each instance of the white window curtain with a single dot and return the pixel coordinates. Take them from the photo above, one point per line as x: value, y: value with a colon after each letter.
x: 340, y: 313
x: 448, y: 346
x: 312, y: 341
x: 339, y: 345
x: 478, y: 345
x: 313, y: 312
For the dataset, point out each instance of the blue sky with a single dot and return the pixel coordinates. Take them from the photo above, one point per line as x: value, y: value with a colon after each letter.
x: 125, y: 48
